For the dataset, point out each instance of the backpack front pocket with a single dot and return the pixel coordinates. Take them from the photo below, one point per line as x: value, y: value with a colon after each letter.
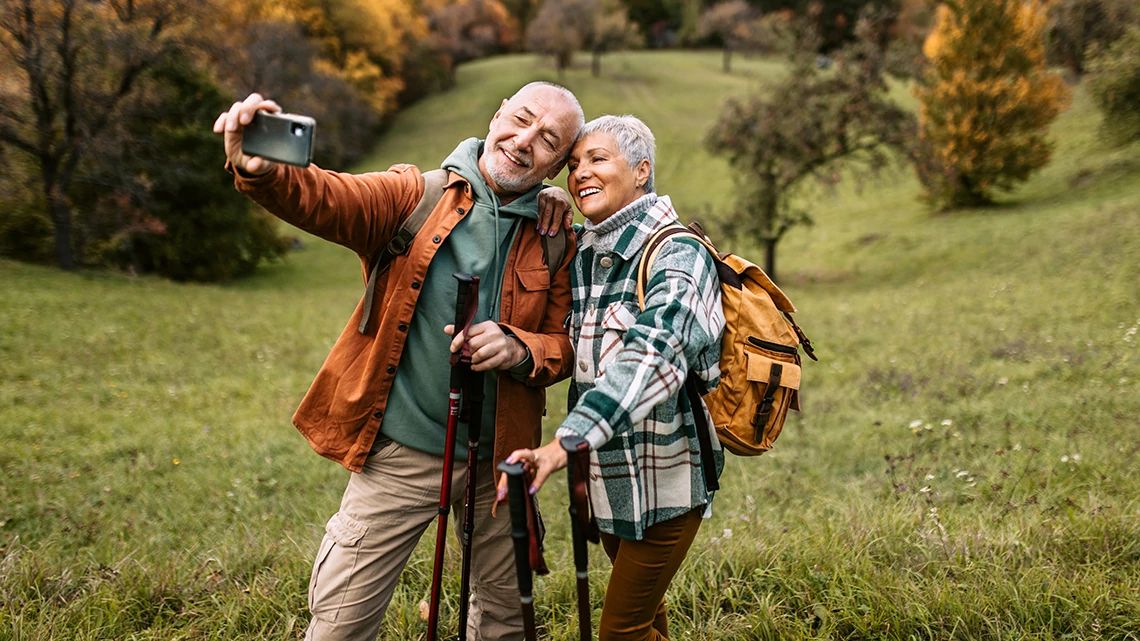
x: 773, y: 373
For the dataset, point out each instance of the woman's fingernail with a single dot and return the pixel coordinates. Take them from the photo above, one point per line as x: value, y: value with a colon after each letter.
x: 533, y: 490
x: 500, y: 495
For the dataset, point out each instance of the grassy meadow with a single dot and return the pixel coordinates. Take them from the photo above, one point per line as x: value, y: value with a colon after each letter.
x: 964, y: 467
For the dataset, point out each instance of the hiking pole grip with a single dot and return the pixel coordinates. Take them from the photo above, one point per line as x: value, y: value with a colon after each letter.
x: 577, y: 470
x: 516, y: 497
x: 466, y: 303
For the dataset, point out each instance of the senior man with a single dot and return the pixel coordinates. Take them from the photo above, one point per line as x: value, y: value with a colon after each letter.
x: 379, y: 403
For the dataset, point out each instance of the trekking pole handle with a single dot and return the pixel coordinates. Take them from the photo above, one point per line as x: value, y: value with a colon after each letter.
x: 466, y: 304
x: 516, y: 496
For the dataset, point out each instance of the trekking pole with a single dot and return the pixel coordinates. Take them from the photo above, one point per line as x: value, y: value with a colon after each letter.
x: 582, y: 525
x: 520, y: 535
x: 466, y: 302
x: 473, y: 409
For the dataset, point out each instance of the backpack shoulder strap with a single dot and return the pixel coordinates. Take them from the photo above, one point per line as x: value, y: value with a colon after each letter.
x: 654, y: 246
x: 554, y: 249
x: 704, y: 431
x: 434, y: 181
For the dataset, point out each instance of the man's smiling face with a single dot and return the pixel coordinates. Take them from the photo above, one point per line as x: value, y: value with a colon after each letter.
x: 528, y: 140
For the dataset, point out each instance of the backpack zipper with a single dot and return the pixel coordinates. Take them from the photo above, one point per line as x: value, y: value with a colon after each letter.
x: 775, y: 347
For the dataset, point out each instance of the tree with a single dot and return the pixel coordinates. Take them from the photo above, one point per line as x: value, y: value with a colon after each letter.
x: 470, y: 29
x: 804, y: 131
x: 558, y: 30
x: 734, y: 23
x: 611, y: 30
x: 1076, y: 26
x: 986, y: 100
x: 1114, y: 79
x: 522, y: 11
x: 565, y: 26
x: 79, y: 63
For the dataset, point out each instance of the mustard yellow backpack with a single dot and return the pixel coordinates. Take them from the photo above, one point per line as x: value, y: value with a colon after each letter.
x: 759, y: 361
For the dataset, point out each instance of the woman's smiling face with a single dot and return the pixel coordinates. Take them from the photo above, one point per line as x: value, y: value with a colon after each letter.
x: 600, y: 179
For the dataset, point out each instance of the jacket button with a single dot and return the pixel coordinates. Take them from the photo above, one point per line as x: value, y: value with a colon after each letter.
x: 435, y: 239
x: 583, y: 365
x: 606, y: 262
x: 378, y: 414
x: 391, y: 369
x: 403, y: 327
x: 460, y: 211
x: 415, y: 284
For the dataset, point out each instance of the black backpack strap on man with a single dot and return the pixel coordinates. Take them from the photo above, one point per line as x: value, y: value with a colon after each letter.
x: 553, y: 247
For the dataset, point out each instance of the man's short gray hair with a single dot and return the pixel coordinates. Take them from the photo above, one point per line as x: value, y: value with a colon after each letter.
x: 634, y: 139
x: 579, y: 114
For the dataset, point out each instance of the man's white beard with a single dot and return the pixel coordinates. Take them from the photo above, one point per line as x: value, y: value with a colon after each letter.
x: 509, y: 182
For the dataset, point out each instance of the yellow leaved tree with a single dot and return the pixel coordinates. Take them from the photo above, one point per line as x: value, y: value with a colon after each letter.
x: 986, y: 100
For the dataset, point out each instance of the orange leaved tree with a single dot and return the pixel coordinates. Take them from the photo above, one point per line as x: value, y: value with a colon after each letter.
x: 986, y: 100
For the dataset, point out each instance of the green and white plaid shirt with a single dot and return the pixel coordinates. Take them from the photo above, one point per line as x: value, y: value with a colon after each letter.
x: 627, y: 398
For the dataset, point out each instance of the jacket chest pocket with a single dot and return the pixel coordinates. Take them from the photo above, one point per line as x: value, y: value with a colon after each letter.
x: 617, y: 318
x: 529, y: 306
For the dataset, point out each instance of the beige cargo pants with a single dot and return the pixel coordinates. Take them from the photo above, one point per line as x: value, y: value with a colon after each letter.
x: 385, y: 510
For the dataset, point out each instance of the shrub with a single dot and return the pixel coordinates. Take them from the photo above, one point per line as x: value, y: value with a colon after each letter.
x: 170, y: 209
x: 1115, y: 84
x: 986, y: 100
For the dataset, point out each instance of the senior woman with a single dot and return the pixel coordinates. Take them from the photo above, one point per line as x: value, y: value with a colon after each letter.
x: 627, y: 398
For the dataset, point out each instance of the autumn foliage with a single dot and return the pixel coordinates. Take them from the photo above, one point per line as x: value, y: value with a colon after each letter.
x: 986, y: 100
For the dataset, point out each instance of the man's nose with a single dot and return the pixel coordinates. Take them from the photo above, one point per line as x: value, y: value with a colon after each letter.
x: 525, y: 137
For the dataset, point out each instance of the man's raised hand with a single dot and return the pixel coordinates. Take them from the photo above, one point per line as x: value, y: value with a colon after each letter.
x: 231, y: 124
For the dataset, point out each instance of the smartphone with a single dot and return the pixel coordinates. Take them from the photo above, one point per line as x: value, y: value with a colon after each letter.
x: 286, y: 138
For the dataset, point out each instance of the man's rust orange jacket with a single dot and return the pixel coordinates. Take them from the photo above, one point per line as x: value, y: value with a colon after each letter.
x: 342, y: 411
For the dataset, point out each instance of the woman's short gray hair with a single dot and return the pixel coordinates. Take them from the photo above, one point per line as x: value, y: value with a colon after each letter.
x: 634, y: 139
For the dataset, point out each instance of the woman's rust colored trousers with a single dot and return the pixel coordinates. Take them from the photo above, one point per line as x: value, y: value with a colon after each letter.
x: 634, y: 608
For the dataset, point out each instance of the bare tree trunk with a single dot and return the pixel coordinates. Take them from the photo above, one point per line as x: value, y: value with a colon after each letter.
x: 726, y: 60
x: 61, y: 222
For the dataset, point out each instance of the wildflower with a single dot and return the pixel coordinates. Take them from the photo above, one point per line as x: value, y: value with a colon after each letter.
x: 947, y: 422
x: 1065, y: 458
x: 925, y: 490
x: 929, y: 477
x: 916, y: 423
x: 727, y: 533
x: 962, y: 473
x: 1004, y: 380
x: 176, y: 461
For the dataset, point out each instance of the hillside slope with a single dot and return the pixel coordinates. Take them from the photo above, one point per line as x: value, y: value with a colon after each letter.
x: 963, y: 467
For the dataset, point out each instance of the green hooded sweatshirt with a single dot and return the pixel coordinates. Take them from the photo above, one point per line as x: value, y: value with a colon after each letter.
x: 416, y: 415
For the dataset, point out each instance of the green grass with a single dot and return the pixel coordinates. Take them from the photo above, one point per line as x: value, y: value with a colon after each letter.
x: 963, y: 468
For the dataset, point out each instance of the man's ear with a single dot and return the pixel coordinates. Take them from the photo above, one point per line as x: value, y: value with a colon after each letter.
x: 497, y: 114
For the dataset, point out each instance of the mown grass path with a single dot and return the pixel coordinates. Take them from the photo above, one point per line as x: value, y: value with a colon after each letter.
x: 963, y: 469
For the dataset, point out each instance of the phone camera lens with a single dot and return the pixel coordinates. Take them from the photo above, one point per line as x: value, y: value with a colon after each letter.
x: 297, y: 129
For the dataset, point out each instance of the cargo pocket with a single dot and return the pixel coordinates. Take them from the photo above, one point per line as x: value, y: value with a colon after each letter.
x: 773, y: 373
x: 333, y: 568
x: 529, y: 307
